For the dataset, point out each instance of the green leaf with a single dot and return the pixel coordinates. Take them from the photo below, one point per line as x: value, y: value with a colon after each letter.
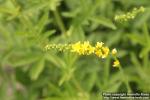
x: 145, y: 51
x: 137, y: 39
x: 55, y: 60
x: 66, y: 76
x: 53, y: 4
x: 42, y: 22
x: 36, y: 70
x: 54, y: 88
x: 48, y: 33
x: 90, y: 82
x: 24, y: 61
x: 142, y: 19
x: 103, y: 21
x: 114, y: 87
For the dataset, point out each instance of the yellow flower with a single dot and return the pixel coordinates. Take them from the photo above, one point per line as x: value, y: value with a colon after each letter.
x: 76, y: 47
x: 116, y: 63
x: 105, y: 52
x: 85, y: 48
x: 99, y: 44
x: 90, y: 50
x: 114, y: 51
x: 98, y: 53
x: 82, y: 48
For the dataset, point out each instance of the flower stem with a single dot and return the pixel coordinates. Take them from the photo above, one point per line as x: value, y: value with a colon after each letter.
x: 125, y: 79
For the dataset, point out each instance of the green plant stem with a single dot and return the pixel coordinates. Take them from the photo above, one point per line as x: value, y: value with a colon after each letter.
x: 106, y: 71
x: 125, y: 79
x: 75, y: 82
x: 59, y: 21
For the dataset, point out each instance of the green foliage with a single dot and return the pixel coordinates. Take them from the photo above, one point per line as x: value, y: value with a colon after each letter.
x: 27, y: 72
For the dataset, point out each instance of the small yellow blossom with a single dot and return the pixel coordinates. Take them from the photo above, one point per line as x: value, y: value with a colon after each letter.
x: 98, y: 53
x: 91, y: 50
x: 105, y: 52
x: 114, y: 51
x: 116, y: 63
x: 82, y: 48
x: 99, y: 44
x: 76, y: 47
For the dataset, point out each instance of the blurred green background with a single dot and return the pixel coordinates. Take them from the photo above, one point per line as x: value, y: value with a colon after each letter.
x: 29, y: 73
